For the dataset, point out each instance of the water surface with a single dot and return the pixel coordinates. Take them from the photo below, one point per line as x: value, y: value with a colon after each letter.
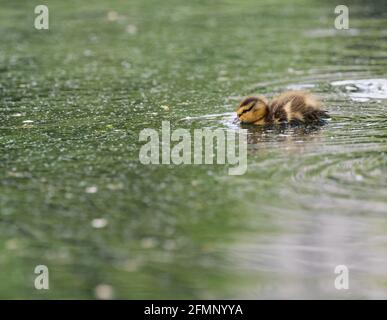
x: 74, y: 196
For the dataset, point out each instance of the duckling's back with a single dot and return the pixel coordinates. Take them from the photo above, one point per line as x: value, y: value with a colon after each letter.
x: 296, y: 107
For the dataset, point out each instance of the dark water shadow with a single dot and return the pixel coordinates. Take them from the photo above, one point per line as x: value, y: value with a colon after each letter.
x: 282, y: 132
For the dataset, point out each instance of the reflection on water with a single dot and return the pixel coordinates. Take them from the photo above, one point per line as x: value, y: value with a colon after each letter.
x: 301, y: 260
x: 364, y: 90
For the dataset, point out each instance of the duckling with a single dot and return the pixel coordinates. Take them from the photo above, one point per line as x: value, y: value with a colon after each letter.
x: 293, y: 107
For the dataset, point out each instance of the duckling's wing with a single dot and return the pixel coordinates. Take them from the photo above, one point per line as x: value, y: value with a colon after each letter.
x: 309, y: 106
x: 314, y: 115
x: 283, y: 107
x: 297, y: 106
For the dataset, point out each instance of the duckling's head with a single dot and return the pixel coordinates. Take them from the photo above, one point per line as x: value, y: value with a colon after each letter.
x: 252, y: 109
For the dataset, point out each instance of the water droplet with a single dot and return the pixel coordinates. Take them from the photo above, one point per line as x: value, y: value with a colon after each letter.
x: 99, y: 223
x: 131, y: 29
x: 92, y: 189
x: 359, y: 177
x: 12, y: 244
x: 112, y: 16
x: 104, y: 292
x: 148, y: 243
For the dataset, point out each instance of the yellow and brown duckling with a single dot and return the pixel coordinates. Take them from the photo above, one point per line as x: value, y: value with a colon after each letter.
x: 293, y: 107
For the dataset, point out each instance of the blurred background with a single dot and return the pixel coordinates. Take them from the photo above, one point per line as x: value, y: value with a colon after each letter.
x: 74, y: 196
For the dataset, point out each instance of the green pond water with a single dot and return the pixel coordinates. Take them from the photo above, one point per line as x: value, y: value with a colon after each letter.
x: 75, y: 197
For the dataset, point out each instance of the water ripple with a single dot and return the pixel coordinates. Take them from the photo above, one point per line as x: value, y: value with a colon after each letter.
x: 363, y: 90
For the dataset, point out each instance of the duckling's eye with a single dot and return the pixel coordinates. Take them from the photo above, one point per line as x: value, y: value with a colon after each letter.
x: 249, y: 109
